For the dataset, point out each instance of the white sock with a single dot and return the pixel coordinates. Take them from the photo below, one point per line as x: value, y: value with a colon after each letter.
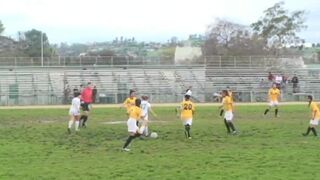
x: 77, y: 125
x: 70, y: 124
x: 141, y: 130
x: 146, y: 131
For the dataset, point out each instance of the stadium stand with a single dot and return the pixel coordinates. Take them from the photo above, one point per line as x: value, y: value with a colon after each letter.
x: 163, y: 83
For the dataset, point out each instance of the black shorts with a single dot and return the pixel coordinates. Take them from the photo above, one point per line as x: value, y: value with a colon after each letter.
x: 85, y: 106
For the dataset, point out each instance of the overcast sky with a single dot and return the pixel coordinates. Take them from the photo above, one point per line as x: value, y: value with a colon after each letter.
x: 146, y: 20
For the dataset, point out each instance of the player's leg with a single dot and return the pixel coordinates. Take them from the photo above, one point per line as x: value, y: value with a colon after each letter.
x: 86, y: 116
x: 77, y: 122
x: 229, y: 119
x: 276, y: 111
x: 70, y: 123
x: 187, y: 127
x: 312, y: 127
x: 268, y: 109
x: 132, y: 129
x: 227, y: 125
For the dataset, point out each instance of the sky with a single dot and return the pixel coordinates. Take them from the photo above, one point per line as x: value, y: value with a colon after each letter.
x: 86, y: 21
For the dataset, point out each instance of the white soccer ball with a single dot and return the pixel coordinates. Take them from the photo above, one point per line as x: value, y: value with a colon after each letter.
x: 154, y: 135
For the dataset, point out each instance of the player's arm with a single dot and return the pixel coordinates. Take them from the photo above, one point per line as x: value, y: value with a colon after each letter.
x: 178, y: 110
x: 124, y: 104
x: 314, y: 114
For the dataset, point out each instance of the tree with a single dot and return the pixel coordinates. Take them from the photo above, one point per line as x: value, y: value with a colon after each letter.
x: 279, y: 26
x: 33, y: 40
x: 1, y: 28
x: 229, y: 38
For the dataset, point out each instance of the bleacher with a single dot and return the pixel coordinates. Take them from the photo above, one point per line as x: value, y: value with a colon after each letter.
x: 166, y: 83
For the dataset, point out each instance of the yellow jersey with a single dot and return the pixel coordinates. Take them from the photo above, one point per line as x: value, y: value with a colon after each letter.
x: 315, y: 109
x: 187, y: 109
x: 274, y: 94
x: 227, y: 103
x: 129, y: 102
x: 135, y: 112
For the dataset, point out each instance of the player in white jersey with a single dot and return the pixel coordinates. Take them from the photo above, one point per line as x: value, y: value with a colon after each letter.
x: 146, y: 108
x: 74, y: 112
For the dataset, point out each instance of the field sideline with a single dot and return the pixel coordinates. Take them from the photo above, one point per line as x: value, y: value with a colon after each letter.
x: 35, y: 145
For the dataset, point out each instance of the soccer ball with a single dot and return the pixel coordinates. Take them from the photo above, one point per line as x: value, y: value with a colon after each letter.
x: 153, y: 135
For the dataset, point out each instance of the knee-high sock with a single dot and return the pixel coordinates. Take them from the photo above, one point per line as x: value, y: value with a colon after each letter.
x: 187, y: 128
x: 308, y: 130
x: 276, y: 112
x: 70, y: 124
x: 77, y: 125
x: 130, y: 138
x: 85, y: 118
x: 227, y: 125
x: 314, y: 131
x: 266, y: 111
x: 231, y: 126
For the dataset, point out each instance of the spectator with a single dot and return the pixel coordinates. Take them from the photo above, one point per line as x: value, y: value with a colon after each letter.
x: 66, y: 94
x: 94, y: 94
x: 295, y: 82
x: 278, y: 81
x: 270, y: 77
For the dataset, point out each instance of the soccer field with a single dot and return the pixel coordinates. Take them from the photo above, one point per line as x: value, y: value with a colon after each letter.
x: 34, y: 145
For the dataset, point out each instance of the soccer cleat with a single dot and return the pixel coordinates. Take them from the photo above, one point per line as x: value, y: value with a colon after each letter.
x: 304, y: 134
x: 190, y: 137
x: 234, y: 132
x: 126, y: 149
x: 69, y: 130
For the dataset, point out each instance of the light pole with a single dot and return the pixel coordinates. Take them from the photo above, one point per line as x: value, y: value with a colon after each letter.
x: 41, y: 49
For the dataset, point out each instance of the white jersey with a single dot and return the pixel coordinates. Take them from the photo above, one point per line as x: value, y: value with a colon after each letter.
x: 75, y: 106
x: 145, y: 105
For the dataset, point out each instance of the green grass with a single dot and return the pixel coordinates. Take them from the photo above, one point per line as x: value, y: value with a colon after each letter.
x: 34, y: 145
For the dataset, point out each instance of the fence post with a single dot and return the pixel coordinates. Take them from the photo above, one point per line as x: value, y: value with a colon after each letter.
x: 15, y: 61
x: 234, y: 62
x: 111, y: 61
x: 80, y: 61
x: 220, y: 61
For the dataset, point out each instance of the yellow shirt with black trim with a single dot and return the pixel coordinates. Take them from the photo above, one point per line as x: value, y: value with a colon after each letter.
x: 135, y: 112
x: 227, y: 103
x: 187, y: 109
x: 129, y: 102
x: 274, y: 94
x: 314, y: 108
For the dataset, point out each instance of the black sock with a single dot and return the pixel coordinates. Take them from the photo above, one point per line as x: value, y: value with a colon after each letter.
x: 85, y: 118
x: 308, y: 130
x: 221, y: 112
x: 130, y: 138
x: 314, y: 131
x: 187, y: 128
x: 276, y: 112
x: 227, y: 125
x: 266, y: 111
x: 231, y: 126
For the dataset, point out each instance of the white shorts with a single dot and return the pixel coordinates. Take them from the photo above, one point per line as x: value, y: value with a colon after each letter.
x: 132, y: 125
x: 314, y: 122
x: 228, y: 115
x: 74, y: 113
x: 274, y: 103
x: 187, y: 121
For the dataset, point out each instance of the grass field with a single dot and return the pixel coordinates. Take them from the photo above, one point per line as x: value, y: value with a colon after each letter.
x: 34, y: 145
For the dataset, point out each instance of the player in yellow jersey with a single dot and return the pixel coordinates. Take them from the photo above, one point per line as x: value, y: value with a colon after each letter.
x: 230, y: 93
x: 187, y: 111
x: 315, y: 117
x: 135, y: 114
x: 274, y: 97
x: 130, y: 101
x: 227, y: 105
